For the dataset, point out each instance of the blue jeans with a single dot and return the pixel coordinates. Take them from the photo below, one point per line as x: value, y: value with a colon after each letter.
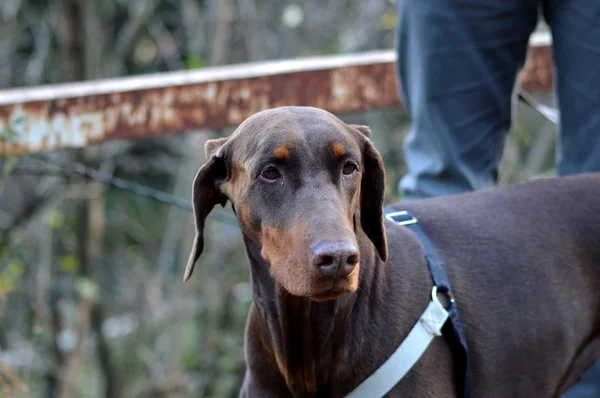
x: 457, y: 63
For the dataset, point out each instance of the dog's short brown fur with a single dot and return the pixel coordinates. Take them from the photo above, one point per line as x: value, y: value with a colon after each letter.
x: 524, y: 262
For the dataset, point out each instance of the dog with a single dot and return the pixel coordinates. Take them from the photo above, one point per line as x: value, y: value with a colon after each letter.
x: 336, y: 287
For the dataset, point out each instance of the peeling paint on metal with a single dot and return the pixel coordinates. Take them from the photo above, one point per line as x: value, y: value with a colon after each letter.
x: 81, y: 114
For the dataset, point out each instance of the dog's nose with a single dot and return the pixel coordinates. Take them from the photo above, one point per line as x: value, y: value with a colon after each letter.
x: 334, y: 257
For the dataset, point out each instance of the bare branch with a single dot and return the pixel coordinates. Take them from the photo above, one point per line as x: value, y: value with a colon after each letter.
x: 191, y: 16
x: 141, y: 12
x: 249, y: 19
x: 222, y: 35
x: 34, y: 73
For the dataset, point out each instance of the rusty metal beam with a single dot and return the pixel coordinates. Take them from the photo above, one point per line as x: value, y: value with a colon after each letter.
x: 80, y: 114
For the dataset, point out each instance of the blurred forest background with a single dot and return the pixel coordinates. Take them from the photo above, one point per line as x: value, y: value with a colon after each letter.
x: 91, y: 298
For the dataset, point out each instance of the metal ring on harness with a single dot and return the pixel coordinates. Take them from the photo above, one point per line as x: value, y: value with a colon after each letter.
x: 434, y: 295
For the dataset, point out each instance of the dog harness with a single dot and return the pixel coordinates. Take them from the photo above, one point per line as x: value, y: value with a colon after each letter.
x: 436, y: 320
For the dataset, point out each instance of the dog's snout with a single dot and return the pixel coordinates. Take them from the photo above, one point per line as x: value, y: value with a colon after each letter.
x: 334, y: 257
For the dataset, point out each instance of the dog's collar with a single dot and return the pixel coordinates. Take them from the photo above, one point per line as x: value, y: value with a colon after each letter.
x: 429, y: 326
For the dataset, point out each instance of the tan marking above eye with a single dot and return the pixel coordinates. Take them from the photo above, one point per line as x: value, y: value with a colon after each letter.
x: 338, y: 150
x: 281, y: 152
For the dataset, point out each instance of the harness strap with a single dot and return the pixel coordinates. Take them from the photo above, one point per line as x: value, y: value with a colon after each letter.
x: 453, y: 330
x: 433, y: 322
x: 406, y: 355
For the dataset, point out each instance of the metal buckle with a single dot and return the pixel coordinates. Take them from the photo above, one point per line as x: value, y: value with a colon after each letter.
x: 411, y: 220
x: 434, y: 296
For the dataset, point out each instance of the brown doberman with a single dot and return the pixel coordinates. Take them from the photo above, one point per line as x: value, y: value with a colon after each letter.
x: 336, y: 289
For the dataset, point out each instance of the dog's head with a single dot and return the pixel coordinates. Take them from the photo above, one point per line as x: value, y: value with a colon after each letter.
x: 302, y: 184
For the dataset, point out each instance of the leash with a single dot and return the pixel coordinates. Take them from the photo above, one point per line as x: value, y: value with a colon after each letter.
x: 435, y: 321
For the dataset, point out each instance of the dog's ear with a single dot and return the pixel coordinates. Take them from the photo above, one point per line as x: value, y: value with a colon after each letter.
x: 206, y: 194
x: 365, y: 130
x: 212, y: 146
x: 372, y: 192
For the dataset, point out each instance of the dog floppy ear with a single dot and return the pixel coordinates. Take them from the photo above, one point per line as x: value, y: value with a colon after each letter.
x: 372, y: 192
x: 206, y: 195
x: 365, y: 130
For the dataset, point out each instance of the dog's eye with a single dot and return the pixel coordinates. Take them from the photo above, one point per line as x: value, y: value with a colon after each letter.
x: 270, y: 173
x: 349, y: 168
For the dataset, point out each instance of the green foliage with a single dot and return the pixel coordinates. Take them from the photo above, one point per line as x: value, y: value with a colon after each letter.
x: 190, y: 335
x: 55, y: 219
x: 522, y: 134
x: 9, y: 134
x: 69, y: 263
x: 193, y: 62
x: 388, y: 20
x: 10, y: 277
x: 9, y: 164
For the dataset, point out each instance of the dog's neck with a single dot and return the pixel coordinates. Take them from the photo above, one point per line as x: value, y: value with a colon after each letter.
x: 314, y: 343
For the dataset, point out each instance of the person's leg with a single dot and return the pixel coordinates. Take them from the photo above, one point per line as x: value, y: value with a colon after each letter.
x: 576, y: 43
x: 457, y: 63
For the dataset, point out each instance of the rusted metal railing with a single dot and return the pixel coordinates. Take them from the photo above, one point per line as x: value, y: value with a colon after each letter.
x: 79, y: 114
